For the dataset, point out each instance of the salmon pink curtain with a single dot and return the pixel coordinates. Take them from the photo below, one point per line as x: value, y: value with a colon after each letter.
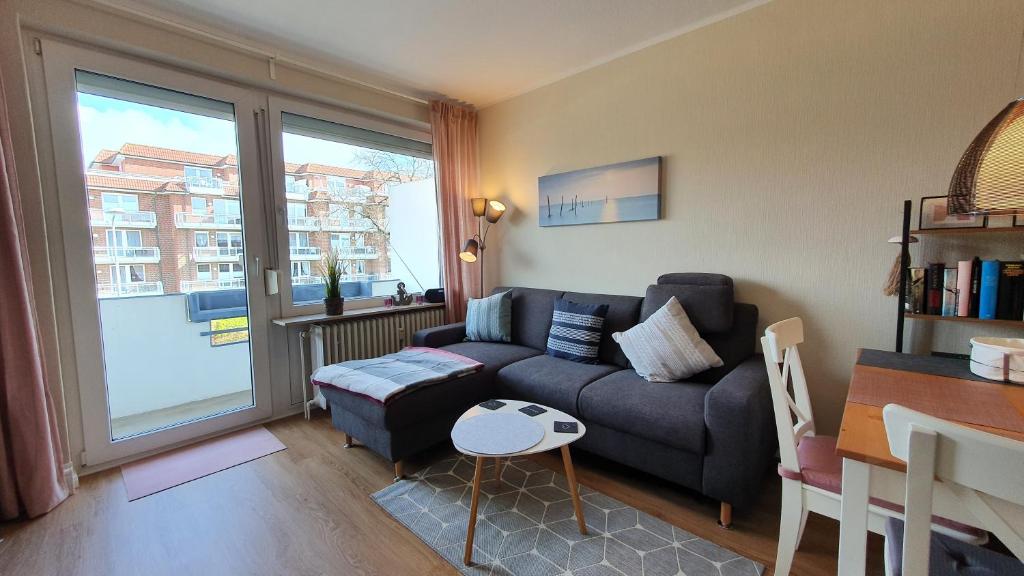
x: 453, y: 127
x: 31, y: 459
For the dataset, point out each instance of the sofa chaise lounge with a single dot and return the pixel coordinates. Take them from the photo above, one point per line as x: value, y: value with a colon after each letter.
x: 713, y: 433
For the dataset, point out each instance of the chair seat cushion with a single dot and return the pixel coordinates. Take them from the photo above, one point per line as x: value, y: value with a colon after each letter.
x: 949, y: 557
x: 671, y: 413
x: 550, y: 381
x: 822, y: 468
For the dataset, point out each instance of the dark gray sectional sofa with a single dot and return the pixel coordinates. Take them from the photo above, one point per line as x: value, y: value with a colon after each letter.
x: 713, y: 433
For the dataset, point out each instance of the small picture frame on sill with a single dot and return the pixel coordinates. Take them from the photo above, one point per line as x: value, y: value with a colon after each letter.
x: 933, y: 216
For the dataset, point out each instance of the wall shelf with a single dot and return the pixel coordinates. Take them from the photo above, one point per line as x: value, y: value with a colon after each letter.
x: 994, y: 322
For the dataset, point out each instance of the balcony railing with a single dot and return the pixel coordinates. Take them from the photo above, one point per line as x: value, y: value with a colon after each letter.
x: 137, y: 219
x: 108, y: 290
x: 304, y: 252
x: 345, y: 224
x: 218, y: 284
x: 296, y: 191
x: 125, y: 254
x: 303, y: 223
x: 358, y: 252
x: 216, y: 253
x: 204, y: 185
x: 303, y: 280
x: 214, y: 221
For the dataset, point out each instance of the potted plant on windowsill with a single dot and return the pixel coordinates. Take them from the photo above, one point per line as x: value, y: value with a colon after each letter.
x: 332, y: 269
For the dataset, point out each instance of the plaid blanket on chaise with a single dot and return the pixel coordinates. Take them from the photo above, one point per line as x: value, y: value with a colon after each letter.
x: 387, y: 376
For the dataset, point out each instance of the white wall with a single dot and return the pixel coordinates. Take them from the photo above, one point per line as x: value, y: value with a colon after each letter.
x: 155, y: 358
x: 413, y: 223
x: 791, y: 135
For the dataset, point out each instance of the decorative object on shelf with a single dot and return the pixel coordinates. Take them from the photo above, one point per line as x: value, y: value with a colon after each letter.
x: 914, y: 302
x: 934, y: 215
x: 434, y: 295
x: 473, y: 252
x: 950, y: 293
x: 990, y: 176
x: 623, y: 192
x: 332, y: 269
x: 1000, y: 359
x: 892, y: 283
x: 402, y: 298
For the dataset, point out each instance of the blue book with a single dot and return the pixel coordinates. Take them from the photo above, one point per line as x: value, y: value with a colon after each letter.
x: 989, y: 289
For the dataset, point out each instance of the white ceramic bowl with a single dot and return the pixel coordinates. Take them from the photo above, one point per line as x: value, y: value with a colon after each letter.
x: 999, y: 359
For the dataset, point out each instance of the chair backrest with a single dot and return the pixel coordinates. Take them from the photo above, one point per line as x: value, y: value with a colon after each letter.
x: 983, y: 471
x: 794, y: 418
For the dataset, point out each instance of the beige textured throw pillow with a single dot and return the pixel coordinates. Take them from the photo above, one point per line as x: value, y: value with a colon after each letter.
x: 666, y: 347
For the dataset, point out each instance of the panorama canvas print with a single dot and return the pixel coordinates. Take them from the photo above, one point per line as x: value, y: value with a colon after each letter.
x: 623, y: 192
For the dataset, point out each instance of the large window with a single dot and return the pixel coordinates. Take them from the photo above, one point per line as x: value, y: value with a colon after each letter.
x: 113, y: 201
x: 381, y: 214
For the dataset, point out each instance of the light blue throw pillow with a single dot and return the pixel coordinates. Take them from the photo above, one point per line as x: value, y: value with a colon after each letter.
x: 490, y: 319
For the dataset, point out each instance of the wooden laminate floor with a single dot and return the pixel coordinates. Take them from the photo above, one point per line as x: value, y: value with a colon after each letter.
x: 307, y: 511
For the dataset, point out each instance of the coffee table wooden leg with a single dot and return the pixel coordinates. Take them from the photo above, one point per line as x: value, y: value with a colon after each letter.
x: 477, y: 475
x: 570, y: 475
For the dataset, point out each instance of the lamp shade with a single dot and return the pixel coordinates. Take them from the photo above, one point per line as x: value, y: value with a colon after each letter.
x: 479, y: 206
x: 470, y: 252
x: 990, y: 176
x: 495, y: 210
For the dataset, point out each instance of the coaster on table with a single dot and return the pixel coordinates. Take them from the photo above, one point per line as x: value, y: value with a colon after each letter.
x: 567, y: 427
x: 492, y: 404
x: 532, y: 410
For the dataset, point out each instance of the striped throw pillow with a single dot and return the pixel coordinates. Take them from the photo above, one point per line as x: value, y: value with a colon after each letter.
x: 490, y: 319
x: 576, y: 331
x: 666, y: 347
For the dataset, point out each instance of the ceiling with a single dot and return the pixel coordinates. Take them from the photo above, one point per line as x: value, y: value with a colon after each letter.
x: 478, y: 51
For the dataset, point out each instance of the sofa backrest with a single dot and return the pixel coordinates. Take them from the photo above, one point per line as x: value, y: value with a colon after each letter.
x: 623, y: 314
x: 531, y: 315
x: 707, y: 299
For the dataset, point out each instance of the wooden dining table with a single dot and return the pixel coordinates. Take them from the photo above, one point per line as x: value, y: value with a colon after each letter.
x: 941, y: 387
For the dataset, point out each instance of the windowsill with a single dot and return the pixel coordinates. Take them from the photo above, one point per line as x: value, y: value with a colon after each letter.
x: 358, y: 313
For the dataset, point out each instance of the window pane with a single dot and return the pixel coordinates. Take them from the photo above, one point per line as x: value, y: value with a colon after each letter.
x: 371, y: 198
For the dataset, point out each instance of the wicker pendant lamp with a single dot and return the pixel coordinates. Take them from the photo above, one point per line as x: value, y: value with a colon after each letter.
x: 990, y: 176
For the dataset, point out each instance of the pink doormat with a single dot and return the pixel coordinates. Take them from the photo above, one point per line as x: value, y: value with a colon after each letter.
x: 157, y: 473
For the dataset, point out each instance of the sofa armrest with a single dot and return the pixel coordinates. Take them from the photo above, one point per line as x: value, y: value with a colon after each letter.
x: 741, y: 437
x: 439, y: 336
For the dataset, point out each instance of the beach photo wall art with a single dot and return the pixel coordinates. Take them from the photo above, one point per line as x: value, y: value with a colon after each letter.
x: 624, y: 192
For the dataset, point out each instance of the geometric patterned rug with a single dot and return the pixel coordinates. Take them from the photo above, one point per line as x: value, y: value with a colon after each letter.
x: 526, y: 527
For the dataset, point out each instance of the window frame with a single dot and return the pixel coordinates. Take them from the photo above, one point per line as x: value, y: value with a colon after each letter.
x: 277, y: 105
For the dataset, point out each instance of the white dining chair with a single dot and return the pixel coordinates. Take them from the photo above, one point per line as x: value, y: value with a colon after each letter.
x: 811, y: 471
x: 982, y: 471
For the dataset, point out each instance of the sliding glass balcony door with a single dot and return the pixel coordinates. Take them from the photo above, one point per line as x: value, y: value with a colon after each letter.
x: 162, y: 222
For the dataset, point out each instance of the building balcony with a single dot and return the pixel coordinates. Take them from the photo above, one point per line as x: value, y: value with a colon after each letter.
x: 125, y: 254
x: 296, y: 191
x: 205, y: 185
x: 216, y: 253
x: 304, y: 252
x: 120, y: 290
x: 138, y: 219
x: 345, y: 224
x: 218, y: 284
x: 359, y: 252
x: 208, y: 221
x: 303, y: 223
x: 306, y: 280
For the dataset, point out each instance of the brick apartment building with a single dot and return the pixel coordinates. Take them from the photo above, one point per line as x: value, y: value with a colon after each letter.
x: 166, y: 221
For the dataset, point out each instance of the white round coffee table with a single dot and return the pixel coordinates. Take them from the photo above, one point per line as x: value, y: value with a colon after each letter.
x: 550, y: 441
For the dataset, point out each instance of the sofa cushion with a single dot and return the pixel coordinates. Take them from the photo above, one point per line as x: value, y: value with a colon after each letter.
x: 576, y: 331
x: 493, y: 355
x: 489, y: 319
x: 549, y: 381
x: 666, y: 347
x: 531, y: 315
x: 710, y: 307
x: 623, y: 314
x: 669, y: 413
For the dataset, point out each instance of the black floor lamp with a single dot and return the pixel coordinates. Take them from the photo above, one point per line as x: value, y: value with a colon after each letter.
x: 483, y: 209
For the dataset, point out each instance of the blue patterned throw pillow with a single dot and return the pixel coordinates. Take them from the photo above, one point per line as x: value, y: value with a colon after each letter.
x: 490, y: 319
x: 576, y: 331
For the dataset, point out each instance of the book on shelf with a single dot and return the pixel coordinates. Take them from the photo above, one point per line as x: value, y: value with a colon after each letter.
x: 975, y: 297
x: 1010, y: 299
x: 989, y: 289
x: 949, y: 276
x: 933, y: 293
x: 915, y: 291
x: 963, y: 287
